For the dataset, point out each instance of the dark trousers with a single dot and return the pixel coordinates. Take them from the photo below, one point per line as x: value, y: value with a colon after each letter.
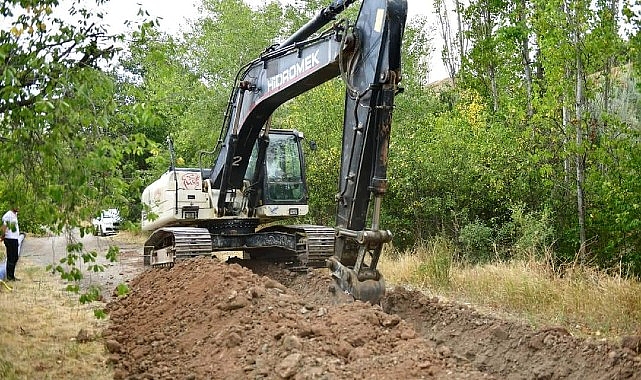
x: 12, y: 257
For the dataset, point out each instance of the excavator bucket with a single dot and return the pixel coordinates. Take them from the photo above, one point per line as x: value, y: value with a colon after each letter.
x: 371, y: 290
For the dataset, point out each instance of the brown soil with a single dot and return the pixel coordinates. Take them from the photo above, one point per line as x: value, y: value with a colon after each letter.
x: 204, y: 319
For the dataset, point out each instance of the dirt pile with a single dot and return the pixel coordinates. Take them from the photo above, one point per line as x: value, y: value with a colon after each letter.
x: 208, y: 320
x: 204, y: 319
x: 510, y: 349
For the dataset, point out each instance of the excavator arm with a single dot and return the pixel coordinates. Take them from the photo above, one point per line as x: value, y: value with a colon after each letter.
x: 277, y: 76
x: 372, y: 77
x: 367, y: 56
x: 200, y: 211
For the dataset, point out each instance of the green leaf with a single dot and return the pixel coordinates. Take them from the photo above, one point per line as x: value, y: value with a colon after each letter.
x: 122, y: 290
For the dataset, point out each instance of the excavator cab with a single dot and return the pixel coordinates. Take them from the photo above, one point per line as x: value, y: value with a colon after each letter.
x: 281, y: 184
x: 284, y: 181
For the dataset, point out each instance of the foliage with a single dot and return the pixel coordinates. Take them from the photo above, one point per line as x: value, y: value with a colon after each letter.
x: 456, y: 167
x: 71, y: 266
x: 62, y: 158
x: 518, y: 88
x: 490, y: 161
x: 531, y: 234
x: 170, y: 95
x: 476, y: 239
x: 632, y: 16
x: 122, y: 290
x: 64, y: 141
x: 437, y: 260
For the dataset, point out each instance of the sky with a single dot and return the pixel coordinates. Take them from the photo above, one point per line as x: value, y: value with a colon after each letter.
x: 174, y: 13
x: 173, y: 17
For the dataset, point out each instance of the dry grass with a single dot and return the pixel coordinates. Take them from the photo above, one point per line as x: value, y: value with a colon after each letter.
x: 38, y: 330
x: 133, y: 237
x: 584, y: 301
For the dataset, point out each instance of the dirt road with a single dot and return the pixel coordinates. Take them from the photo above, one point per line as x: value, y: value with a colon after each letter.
x: 46, y: 250
x: 204, y: 319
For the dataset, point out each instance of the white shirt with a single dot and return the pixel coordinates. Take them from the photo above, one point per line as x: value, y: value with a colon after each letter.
x: 10, y: 219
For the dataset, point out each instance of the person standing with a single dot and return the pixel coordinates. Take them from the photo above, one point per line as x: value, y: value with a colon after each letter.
x: 10, y: 235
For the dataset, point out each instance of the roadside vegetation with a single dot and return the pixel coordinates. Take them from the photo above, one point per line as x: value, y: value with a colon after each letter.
x: 46, y: 331
x: 585, y: 301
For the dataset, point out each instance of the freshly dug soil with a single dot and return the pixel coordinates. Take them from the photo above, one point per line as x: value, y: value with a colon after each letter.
x: 205, y: 319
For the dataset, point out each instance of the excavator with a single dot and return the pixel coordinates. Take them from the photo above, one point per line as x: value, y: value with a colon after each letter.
x: 258, y: 178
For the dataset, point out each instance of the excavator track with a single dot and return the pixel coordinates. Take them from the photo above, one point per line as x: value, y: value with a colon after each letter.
x: 314, y: 246
x: 299, y: 246
x: 309, y: 247
x: 168, y: 244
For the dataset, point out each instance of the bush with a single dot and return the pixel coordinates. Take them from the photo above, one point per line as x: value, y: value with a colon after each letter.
x: 532, y: 234
x: 437, y: 259
x: 477, y: 242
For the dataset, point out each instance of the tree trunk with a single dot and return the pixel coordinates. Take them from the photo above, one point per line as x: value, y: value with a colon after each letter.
x: 495, y: 91
x: 580, y: 155
x: 525, y: 57
x: 459, y: 32
x: 491, y: 66
x: 565, y: 114
x: 451, y: 59
x: 609, y: 64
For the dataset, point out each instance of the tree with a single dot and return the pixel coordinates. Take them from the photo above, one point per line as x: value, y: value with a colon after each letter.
x: 173, y: 100
x: 61, y: 159
x: 186, y: 82
x: 453, y: 40
x: 484, y: 16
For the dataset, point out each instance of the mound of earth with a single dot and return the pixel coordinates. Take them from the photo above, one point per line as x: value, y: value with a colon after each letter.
x: 510, y: 349
x: 203, y: 319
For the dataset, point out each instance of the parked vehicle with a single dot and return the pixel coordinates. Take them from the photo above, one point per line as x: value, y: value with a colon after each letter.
x: 107, y: 223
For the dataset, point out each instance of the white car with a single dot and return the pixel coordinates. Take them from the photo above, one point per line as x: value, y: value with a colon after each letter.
x: 108, y: 223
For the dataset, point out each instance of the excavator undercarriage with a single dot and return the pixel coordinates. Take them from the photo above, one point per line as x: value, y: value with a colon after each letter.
x: 299, y: 246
